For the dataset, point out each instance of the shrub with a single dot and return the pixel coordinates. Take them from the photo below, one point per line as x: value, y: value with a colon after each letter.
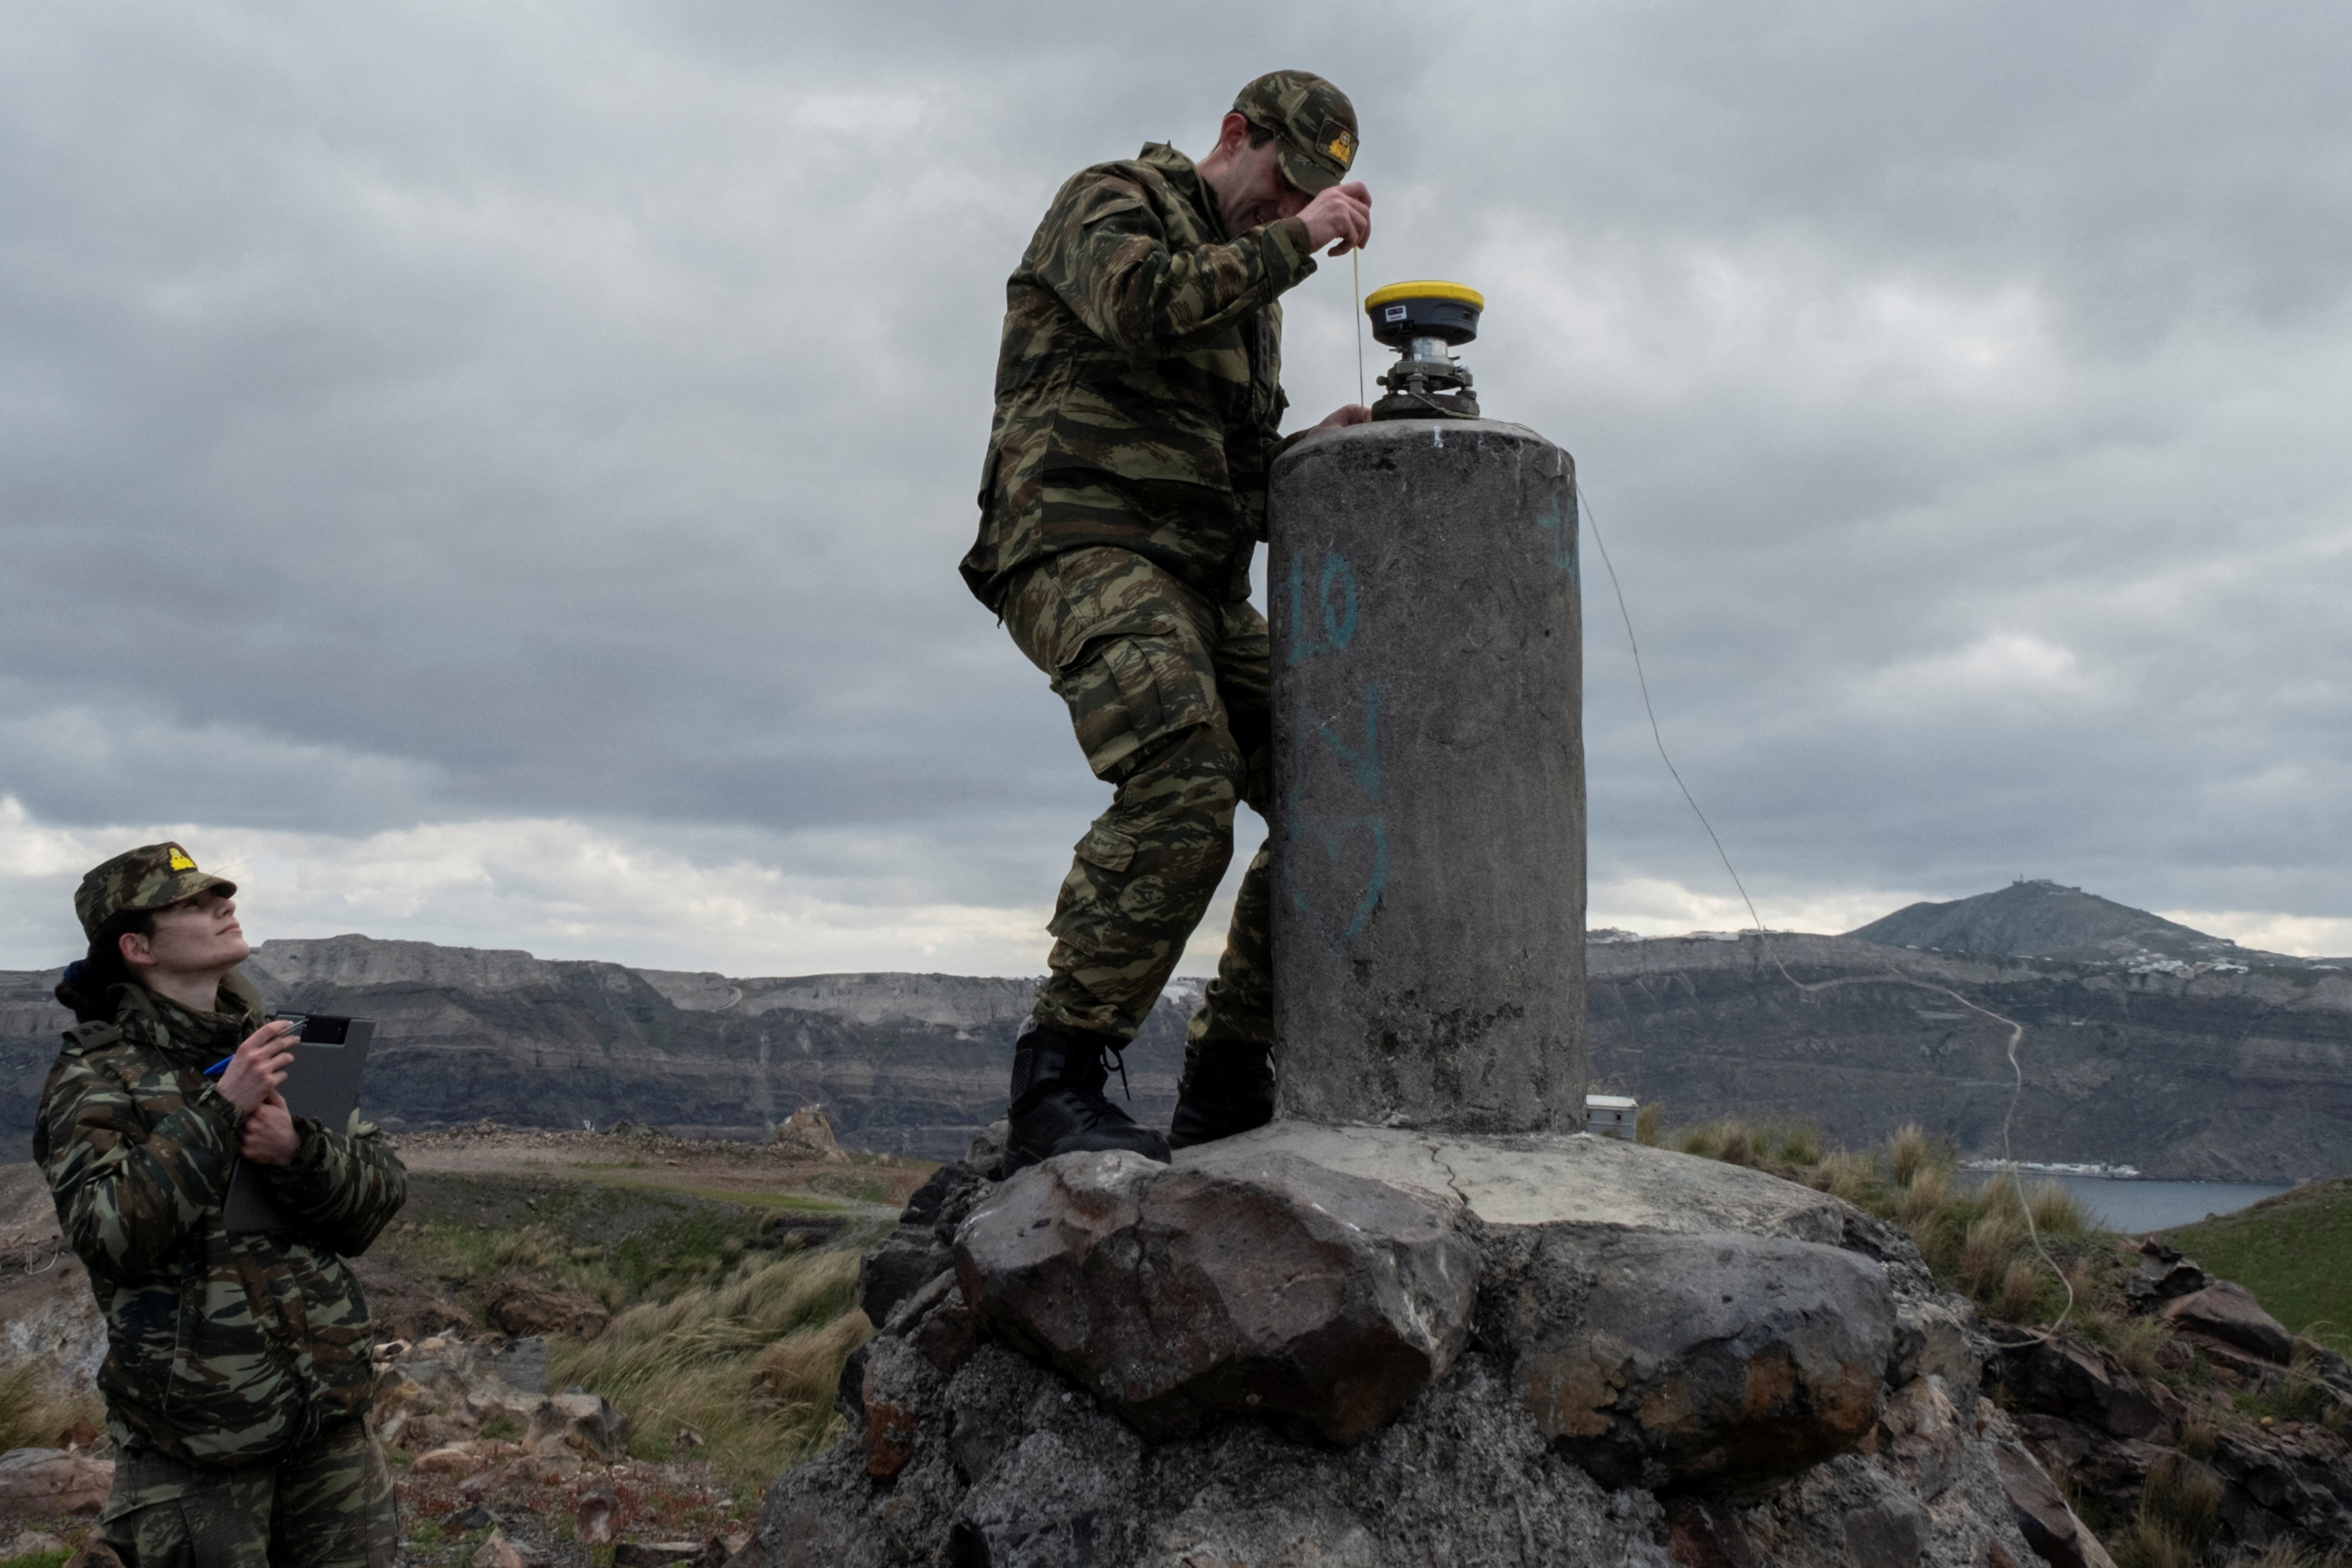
x: 1648, y: 1125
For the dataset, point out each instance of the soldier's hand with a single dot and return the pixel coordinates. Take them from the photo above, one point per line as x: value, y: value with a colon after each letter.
x: 1342, y: 214
x: 259, y: 1066
x: 1351, y: 414
x: 270, y: 1137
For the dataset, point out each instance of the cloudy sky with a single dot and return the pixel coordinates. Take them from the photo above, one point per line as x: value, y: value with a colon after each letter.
x: 494, y: 474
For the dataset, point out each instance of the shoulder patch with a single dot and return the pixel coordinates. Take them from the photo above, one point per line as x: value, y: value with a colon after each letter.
x: 95, y: 1034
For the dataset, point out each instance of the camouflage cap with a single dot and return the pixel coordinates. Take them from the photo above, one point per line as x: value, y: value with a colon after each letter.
x: 150, y: 877
x: 1314, y: 126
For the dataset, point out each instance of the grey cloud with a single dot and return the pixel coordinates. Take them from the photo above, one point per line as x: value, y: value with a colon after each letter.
x: 457, y: 414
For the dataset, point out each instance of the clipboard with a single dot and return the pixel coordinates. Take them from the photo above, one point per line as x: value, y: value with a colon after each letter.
x: 322, y: 1082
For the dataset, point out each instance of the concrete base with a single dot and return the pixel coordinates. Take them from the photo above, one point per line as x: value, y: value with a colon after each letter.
x: 1543, y: 1179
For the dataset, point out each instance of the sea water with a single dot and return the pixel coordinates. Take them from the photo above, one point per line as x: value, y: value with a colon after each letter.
x: 2136, y: 1207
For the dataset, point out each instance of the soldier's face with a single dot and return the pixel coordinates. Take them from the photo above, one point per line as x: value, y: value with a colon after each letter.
x: 1253, y: 192
x: 195, y: 936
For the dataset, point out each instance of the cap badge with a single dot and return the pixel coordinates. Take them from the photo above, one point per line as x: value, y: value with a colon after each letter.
x: 180, y: 861
x: 1342, y: 146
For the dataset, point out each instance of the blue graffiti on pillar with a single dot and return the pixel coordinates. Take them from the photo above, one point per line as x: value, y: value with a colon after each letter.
x: 1363, y: 760
x: 1333, y: 842
x: 1339, y: 613
x: 1561, y: 549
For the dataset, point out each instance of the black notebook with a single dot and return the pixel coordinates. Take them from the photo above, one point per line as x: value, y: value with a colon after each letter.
x: 322, y: 1082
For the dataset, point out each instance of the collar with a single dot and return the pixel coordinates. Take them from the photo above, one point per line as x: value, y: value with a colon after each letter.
x: 1185, y: 176
x: 180, y: 1032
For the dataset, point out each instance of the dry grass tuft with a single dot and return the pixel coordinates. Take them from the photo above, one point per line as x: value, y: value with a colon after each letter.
x: 33, y: 1413
x: 1648, y: 1125
x: 1849, y: 1175
x: 1924, y: 1197
x: 2288, y: 1554
x: 749, y: 1361
x: 2056, y: 1212
x: 1910, y: 1152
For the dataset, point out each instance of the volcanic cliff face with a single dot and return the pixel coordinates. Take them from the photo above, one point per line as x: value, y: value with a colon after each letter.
x: 903, y: 1063
x: 2241, y: 1070
x: 2179, y: 1054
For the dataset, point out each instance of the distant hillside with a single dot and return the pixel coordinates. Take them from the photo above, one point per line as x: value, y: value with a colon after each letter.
x: 905, y: 1064
x: 2238, y: 1069
x: 2041, y: 919
x: 2222, y: 1063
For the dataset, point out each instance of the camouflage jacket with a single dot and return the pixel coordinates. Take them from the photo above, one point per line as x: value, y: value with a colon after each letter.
x: 222, y: 1348
x: 1138, y: 383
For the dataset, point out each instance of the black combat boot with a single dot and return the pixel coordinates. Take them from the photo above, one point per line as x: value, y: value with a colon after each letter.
x: 1228, y: 1088
x: 1057, y: 1100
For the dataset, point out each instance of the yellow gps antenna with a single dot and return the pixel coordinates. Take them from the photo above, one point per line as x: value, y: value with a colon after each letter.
x: 1424, y: 321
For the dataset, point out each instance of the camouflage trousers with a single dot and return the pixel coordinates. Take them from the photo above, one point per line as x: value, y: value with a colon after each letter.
x: 327, y: 1504
x: 1170, y: 694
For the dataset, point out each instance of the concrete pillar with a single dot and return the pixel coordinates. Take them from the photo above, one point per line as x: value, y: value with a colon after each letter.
x: 1429, y: 786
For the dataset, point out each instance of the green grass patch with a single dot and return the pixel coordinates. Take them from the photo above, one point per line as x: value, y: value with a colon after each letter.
x: 37, y: 1559
x: 2292, y: 1251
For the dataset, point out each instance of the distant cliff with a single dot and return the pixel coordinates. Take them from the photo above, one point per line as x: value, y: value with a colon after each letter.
x: 2182, y: 1060
x: 2237, y: 1070
x: 903, y: 1063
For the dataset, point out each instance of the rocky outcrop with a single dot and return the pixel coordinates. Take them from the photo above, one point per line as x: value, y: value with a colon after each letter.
x: 2113, y: 1435
x: 435, y: 1397
x: 1668, y: 1361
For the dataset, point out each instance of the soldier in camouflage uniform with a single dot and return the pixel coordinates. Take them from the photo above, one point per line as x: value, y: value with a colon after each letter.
x: 1139, y: 398
x: 238, y: 1373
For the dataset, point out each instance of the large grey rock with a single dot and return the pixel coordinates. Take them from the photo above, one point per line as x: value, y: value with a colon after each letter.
x: 2228, y: 1312
x: 1428, y: 824
x: 1252, y: 1283
x: 1547, y: 1179
x: 1704, y: 1360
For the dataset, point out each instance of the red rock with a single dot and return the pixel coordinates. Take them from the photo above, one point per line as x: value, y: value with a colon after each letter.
x: 496, y: 1552
x: 36, y: 1481
x: 527, y: 1306
x: 947, y: 1338
x: 889, y: 1440
x: 454, y: 1460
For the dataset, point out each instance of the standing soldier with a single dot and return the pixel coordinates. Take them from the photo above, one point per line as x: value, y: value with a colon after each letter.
x: 1139, y: 398
x: 237, y: 1374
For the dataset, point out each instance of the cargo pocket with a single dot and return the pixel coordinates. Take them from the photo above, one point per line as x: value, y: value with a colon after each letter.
x: 1127, y: 694
x: 1107, y: 847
